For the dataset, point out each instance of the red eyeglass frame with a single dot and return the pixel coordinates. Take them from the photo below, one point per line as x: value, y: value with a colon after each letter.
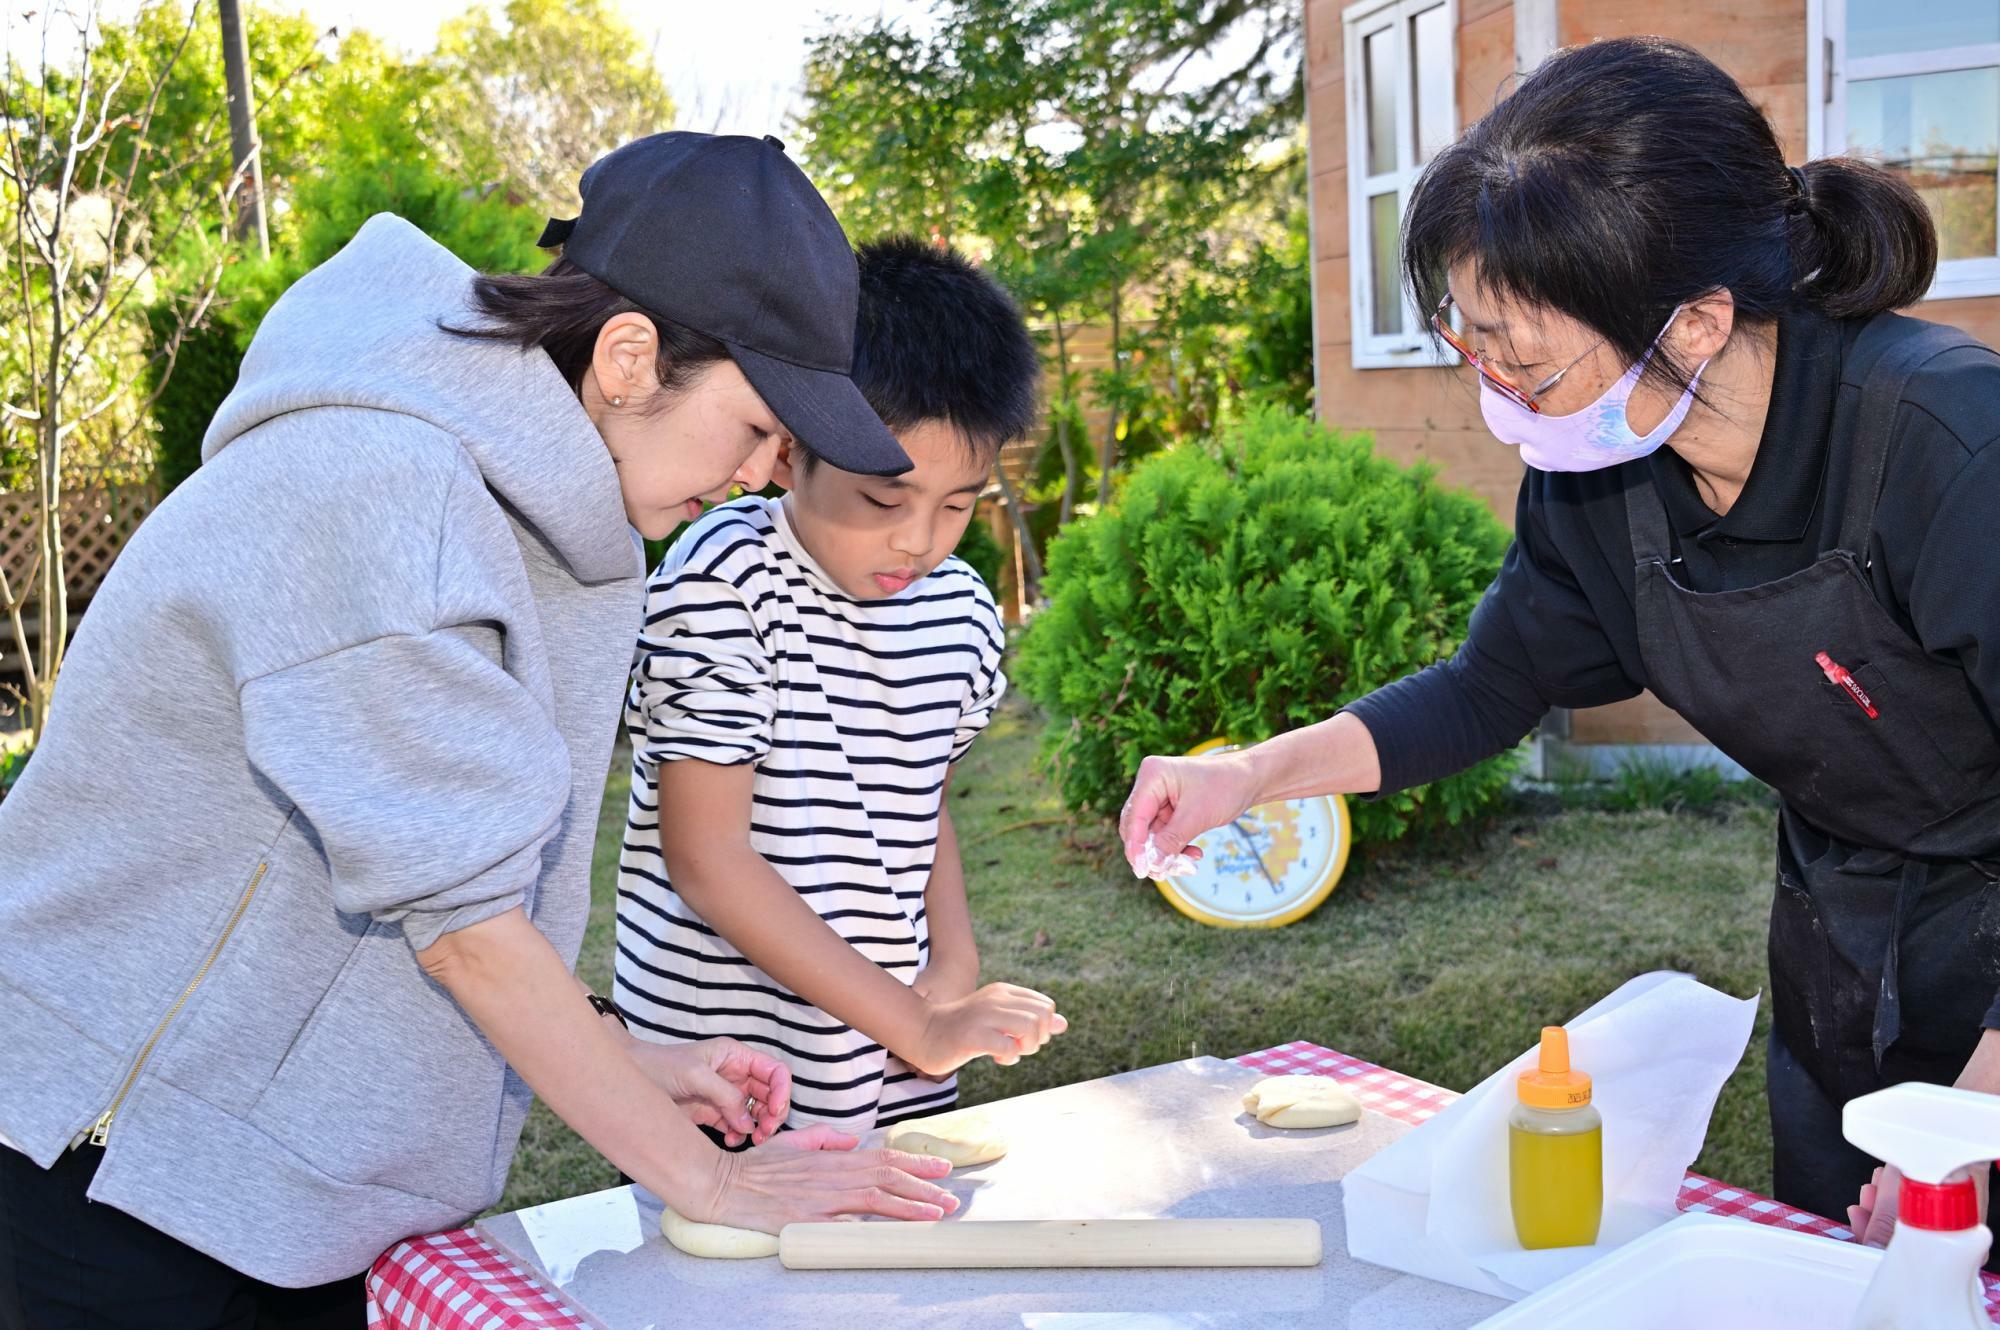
x: 1528, y: 398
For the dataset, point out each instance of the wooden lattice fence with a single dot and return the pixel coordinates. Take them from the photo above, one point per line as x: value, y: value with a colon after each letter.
x: 97, y: 520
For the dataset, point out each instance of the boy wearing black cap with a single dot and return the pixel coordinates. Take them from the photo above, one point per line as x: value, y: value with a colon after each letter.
x: 810, y: 669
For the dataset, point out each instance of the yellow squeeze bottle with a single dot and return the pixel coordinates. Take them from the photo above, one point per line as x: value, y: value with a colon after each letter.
x: 1555, y: 1152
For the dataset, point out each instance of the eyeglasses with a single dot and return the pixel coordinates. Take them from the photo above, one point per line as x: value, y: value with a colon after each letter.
x: 1526, y: 397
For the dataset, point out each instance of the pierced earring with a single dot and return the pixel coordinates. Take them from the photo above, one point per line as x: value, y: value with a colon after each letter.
x: 618, y: 401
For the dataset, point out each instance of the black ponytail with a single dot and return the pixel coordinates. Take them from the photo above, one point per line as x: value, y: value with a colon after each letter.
x: 1629, y: 176
x: 1867, y: 243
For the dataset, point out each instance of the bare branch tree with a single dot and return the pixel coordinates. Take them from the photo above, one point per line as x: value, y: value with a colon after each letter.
x: 82, y: 179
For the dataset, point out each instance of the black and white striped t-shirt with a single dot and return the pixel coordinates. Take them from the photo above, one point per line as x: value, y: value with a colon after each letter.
x: 853, y: 712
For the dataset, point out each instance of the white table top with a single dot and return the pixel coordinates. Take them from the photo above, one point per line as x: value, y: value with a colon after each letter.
x: 1163, y: 1142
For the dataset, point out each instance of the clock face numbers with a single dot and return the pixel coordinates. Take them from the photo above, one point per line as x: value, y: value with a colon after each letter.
x: 1265, y: 863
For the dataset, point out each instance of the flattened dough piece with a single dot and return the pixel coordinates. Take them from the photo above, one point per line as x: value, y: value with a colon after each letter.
x: 961, y: 1139
x: 717, y: 1240
x: 1299, y: 1102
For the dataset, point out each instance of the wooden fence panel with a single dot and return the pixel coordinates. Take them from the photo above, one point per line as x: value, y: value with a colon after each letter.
x: 97, y: 520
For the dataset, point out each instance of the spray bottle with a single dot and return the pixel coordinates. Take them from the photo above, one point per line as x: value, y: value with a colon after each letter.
x: 1938, y: 1138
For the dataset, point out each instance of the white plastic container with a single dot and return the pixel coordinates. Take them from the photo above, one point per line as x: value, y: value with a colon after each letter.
x: 1705, y: 1272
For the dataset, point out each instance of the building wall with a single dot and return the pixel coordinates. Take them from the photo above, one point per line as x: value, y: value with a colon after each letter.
x: 1433, y: 414
x: 1762, y: 43
x: 1414, y: 414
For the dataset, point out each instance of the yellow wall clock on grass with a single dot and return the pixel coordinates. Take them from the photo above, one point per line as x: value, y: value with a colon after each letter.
x: 1270, y: 867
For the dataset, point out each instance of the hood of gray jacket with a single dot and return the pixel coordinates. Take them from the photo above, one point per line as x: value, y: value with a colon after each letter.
x: 367, y: 328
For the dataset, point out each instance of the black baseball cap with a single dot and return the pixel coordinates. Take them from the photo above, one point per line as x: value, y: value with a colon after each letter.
x: 724, y: 234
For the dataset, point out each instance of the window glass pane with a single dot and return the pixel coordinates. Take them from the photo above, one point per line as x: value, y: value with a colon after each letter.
x: 1885, y: 27
x: 1378, y: 51
x: 1942, y: 133
x: 1384, y: 230
x: 1430, y: 39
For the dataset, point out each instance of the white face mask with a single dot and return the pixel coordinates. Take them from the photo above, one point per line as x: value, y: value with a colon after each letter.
x: 1596, y: 437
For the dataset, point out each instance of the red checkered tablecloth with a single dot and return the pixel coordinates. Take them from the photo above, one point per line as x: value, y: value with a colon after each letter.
x: 458, y: 1281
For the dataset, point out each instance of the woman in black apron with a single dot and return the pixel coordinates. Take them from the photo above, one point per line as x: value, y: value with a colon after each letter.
x: 1751, y: 489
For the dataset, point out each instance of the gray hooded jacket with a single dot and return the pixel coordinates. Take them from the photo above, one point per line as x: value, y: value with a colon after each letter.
x: 353, y: 686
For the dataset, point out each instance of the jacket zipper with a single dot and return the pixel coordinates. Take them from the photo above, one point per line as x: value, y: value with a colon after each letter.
x: 102, y: 1130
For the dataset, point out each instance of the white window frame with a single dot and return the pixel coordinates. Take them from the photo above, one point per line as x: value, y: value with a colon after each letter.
x: 1372, y: 350
x: 1828, y: 70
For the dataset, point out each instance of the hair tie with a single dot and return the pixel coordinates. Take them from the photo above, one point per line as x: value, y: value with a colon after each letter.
x: 1798, y: 175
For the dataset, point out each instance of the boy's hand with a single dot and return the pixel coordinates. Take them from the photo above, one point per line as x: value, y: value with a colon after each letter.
x: 999, y: 1021
x: 942, y: 981
x: 720, y: 1083
x: 945, y: 980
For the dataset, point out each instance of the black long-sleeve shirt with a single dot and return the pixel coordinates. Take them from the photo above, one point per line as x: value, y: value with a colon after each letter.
x: 1558, y: 627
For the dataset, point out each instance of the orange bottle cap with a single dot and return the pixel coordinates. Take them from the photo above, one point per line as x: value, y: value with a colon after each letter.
x: 1552, y: 1084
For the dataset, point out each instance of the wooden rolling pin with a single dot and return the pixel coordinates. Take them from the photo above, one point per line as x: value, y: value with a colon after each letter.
x: 1023, y: 1244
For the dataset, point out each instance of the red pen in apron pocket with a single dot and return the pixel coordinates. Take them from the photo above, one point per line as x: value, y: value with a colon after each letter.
x: 1837, y: 674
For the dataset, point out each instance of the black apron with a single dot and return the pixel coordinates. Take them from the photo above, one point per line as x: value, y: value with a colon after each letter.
x: 1885, y: 927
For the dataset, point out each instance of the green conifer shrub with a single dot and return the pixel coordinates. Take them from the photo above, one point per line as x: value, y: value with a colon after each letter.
x: 1248, y: 585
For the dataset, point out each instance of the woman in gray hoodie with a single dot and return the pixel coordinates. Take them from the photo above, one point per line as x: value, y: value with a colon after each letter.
x: 292, y: 888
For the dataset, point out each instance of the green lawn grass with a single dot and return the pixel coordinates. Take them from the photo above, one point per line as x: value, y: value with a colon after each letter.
x: 1441, y: 961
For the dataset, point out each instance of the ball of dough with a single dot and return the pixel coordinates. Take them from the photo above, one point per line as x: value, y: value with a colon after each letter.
x: 1299, y: 1102
x: 961, y: 1139
x: 717, y: 1240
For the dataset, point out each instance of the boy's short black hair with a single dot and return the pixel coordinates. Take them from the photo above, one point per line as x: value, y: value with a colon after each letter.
x: 937, y: 339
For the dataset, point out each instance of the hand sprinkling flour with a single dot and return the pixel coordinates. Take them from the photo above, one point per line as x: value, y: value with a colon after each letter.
x: 1150, y: 863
